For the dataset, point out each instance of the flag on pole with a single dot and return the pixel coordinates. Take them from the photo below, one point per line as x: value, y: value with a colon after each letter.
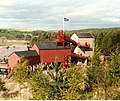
x: 66, y: 19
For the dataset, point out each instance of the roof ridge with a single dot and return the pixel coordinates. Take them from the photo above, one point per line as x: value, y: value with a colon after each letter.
x: 84, y: 35
x: 26, y: 53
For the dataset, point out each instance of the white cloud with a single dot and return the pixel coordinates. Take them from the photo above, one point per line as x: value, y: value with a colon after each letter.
x: 47, y: 14
x: 111, y: 19
x: 113, y: 13
x: 89, y: 9
x: 7, y: 2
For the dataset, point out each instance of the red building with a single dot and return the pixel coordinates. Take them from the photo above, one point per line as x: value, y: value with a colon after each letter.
x: 52, y: 51
x: 15, y: 57
x: 47, y: 52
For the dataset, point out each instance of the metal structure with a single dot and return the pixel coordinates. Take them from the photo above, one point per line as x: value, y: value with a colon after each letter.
x: 62, y: 38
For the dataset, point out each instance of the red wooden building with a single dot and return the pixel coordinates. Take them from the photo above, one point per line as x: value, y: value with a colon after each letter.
x: 50, y: 51
x: 15, y: 57
x: 47, y: 52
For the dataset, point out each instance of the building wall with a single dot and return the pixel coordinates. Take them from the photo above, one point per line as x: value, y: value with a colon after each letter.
x: 34, y: 60
x: 75, y: 37
x: 79, y: 51
x: 82, y: 41
x: 90, y: 41
x: 12, y: 60
x: 34, y: 47
x: 47, y: 56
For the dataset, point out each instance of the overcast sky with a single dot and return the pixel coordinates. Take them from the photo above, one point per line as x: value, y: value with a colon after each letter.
x: 48, y: 14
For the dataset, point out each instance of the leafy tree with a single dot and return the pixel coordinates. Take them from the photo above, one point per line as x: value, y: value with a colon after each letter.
x: 21, y: 71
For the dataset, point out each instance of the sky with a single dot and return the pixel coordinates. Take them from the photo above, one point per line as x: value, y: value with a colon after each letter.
x: 49, y: 14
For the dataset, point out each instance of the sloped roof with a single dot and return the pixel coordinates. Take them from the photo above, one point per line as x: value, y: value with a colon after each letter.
x: 50, y: 45
x: 84, y: 35
x: 26, y: 53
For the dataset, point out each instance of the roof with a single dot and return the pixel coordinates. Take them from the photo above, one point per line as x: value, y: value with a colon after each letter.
x: 50, y: 45
x: 26, y: 53
x: 84, y: 35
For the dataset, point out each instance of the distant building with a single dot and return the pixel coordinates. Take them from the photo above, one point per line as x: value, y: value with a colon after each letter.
x: 84, y: 39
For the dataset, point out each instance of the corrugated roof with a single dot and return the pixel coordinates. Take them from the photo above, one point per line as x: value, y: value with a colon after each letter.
x: 26, y: 53
x: 50, y: 45
x: 84, y: 35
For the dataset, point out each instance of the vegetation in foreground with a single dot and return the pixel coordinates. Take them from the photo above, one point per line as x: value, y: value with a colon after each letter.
x: 98, y: 81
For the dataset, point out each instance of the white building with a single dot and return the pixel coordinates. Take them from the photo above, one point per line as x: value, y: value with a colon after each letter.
x: 84, y: 39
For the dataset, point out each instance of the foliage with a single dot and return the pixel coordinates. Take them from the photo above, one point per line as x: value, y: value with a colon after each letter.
x: 39, y: 85
x: 94, y: 70
x: 78, y: 88
x: 115, y: 68
x: 103, y: 77
x: 59, y: 84
x: 57, y: 81
x: 2, y: 86
x: 21, y: 71
x: 75, y: 83
x: 47, y: 86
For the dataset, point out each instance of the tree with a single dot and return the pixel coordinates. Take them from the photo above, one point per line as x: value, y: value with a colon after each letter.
x: 21, y: 71
x: 77, y: 85
x: 98, y: 77
x: 39, y: 85
x: 115, y: 68
x: 59, y: 84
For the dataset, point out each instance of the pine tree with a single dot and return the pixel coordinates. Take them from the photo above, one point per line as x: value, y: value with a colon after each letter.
x: 98, y: 76
x: 115, y: 68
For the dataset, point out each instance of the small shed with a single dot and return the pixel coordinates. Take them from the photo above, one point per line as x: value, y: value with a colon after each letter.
x: 52, y: 51
x: 15, y: 57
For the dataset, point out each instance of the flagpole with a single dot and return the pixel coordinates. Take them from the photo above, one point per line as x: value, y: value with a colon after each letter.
x: 63, y: 25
